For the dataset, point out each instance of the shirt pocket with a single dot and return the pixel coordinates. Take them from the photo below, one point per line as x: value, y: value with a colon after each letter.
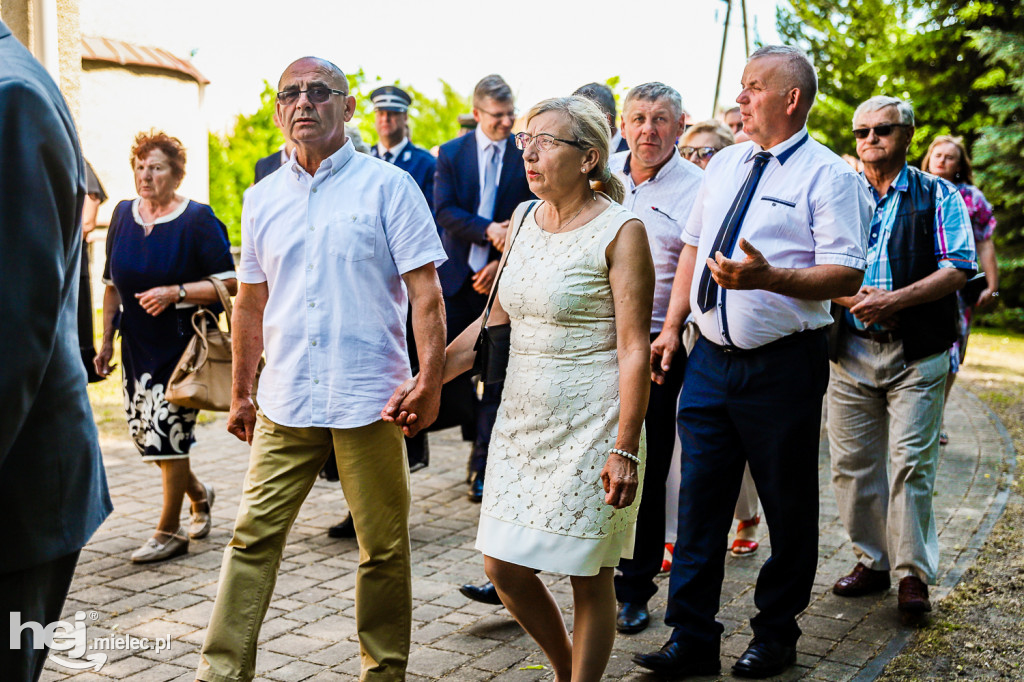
x: 352, y: 236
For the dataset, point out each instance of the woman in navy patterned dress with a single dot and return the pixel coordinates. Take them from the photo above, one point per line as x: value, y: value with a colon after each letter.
x: 160, y: 247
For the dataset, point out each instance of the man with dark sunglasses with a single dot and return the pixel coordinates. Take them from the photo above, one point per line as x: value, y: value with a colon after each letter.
x: 889, y: 348
x: 336, y: 246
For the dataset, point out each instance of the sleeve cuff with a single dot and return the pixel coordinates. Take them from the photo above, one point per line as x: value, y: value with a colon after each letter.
x: 958, y: 264
x: 855, y: 262
x: 437, y: 258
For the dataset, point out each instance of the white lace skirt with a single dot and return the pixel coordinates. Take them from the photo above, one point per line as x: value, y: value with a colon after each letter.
x: 552, y: 552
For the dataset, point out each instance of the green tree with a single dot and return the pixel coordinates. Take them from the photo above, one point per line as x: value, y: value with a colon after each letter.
x: 233, y: 158
x: 999, y: 157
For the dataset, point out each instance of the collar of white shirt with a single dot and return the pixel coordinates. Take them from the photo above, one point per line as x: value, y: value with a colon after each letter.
x: 783, y: 150
x: 329, y: 166
x: 483, y: 142
x: 395, y: 151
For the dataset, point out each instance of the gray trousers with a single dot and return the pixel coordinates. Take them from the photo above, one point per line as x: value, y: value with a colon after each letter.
x: 884, y: 417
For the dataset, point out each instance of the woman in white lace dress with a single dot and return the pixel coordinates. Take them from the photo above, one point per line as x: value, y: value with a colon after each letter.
x: 567, y: 451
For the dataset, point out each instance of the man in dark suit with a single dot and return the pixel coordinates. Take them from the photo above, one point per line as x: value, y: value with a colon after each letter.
x: 53, y: 491
x: 602, y: 95
x: 480, y: 180
x: 391, y: 120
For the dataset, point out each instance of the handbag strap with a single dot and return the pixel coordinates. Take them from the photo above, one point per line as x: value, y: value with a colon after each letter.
x: 224, y: 295
x: 501, y: 265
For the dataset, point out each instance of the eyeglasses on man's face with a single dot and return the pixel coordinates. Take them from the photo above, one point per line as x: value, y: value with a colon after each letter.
x: 499, y: 115
x: 884, y: 130
x: 544, y: 141
x: 701, y: 152
x: 316, y: 94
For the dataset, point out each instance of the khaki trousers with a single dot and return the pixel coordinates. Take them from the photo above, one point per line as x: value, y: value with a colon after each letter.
x: 883, y: 432
x: 283, y: 466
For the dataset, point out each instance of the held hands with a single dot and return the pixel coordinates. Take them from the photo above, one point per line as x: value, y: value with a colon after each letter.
x: 484, y: 278
x: 242, y: 419
x: 620, y: 481
x: 154, y: 301
x: 496, y: 233
x: 412, y: 407
x: 663, y: 350
x: 875, y: 306
x: 753, y: 272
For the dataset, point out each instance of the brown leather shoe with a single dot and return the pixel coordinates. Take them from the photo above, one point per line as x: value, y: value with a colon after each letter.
x: 862, y: 580
x: 913, y: 595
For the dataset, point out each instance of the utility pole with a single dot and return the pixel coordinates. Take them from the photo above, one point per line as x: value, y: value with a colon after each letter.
x: 721, y: 58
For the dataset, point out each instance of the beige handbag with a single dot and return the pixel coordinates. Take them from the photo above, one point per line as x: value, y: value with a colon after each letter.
x: 202, y: 377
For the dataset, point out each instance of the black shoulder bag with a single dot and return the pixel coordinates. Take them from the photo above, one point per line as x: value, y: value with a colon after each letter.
x: 492, y: 345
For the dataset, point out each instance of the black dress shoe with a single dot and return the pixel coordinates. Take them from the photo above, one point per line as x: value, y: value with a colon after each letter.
x: 485, y: 594
x: 677, y: 659
x: 764, y: 658
x: 632, y: 618
x: 476, y: 487
x: 345, y: 529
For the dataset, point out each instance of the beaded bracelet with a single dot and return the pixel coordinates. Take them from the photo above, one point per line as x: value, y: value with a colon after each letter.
x: 628, y: 455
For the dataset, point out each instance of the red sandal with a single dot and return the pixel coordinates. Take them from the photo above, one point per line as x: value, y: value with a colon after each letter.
x: 742, y: 546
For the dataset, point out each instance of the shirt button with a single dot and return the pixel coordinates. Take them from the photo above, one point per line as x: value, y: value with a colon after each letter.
x: 353, y: 217
x: 313, y: 190
x: 316, y: 381
x: 311, y: 228
x: 313, y: 305
x: 314, y: 342
x: 309, y: 267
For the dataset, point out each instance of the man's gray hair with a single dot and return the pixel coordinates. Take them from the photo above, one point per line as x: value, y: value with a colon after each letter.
x: 652, y: 92
x: 799, y: 70
x: 905, y: 108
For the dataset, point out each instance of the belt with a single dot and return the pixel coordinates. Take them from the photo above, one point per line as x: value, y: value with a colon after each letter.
x: 878, y: 337
x: 771, y: 345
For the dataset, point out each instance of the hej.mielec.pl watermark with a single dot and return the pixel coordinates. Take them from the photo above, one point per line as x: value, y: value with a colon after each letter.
x: 70, y: 645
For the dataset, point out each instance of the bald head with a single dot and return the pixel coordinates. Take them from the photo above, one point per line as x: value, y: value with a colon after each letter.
x: 330, y: 72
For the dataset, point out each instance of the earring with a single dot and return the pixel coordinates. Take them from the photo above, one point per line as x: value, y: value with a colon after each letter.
x: 584, y: 170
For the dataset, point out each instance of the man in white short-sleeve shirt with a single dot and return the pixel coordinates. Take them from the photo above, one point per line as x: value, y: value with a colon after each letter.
x: 778, y: 229
x: 331, y: 245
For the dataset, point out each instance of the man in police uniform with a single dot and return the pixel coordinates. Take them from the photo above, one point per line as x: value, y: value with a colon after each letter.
x: 390, y: 118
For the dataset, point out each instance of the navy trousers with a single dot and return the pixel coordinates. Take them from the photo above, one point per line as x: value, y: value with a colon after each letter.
x: 761, y: 407
x: 635, y: 581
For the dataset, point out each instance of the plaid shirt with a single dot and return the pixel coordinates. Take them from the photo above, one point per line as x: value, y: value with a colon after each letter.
x: 954, y: 238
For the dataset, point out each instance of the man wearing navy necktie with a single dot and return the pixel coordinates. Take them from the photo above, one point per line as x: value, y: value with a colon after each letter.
x: 778, y: 229
x: 479, y: 182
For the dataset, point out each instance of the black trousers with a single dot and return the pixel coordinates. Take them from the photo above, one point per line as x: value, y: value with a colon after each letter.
x: 37, y: 594
x: 761, y: 408
x: 635, y: 581
x: 461, y: 310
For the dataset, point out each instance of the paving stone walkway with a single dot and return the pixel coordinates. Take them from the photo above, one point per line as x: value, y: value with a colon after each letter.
x: 309, y: 633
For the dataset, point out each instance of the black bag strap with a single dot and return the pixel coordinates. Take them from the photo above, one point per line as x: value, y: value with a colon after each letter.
x: 501, y: 265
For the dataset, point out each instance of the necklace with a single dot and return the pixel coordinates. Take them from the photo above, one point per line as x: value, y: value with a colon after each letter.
x: 577, y: 214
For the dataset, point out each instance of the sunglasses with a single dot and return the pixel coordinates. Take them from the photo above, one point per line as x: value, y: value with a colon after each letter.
x: 881, y: 131
x: 701, y: 152
x: 317, y: 94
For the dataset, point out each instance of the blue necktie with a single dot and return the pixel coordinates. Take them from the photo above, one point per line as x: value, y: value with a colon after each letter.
x: 388, y: 156
x: 479, y: 253
x: 726, y: 239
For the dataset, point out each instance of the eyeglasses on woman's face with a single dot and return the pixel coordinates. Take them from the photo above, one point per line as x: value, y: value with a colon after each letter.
x: 701, y: 152
x: 316, y: 94
x: 544, y: 141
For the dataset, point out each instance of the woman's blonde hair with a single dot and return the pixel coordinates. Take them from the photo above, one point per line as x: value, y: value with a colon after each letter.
x: 724, y: 135
x: 589, y: 126
x: 964, y: 171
